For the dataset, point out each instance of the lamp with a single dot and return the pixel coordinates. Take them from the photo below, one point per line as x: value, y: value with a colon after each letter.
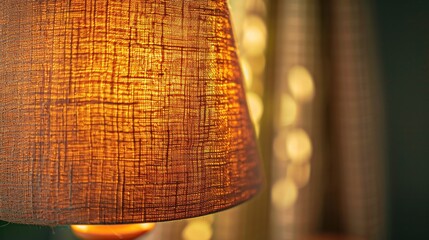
x: 120, y: 111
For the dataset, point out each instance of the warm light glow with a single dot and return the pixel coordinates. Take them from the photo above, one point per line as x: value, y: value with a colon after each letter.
x: 111, y: 232
x: 284, y: 194
x: 254, y: 37
x: 247, y: 73
x: 257, y: 22
x: 301, y: 84
x: 299, y: 173
x: 288, y: 111
x: 256, y: 107
x: 123, y: 116
x: 298, y: 145
x: 197, y: 230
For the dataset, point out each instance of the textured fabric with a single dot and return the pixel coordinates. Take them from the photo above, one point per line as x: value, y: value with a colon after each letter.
x: 121, y: 111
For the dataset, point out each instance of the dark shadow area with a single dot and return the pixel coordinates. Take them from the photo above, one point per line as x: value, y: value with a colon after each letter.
x: 403, y: 45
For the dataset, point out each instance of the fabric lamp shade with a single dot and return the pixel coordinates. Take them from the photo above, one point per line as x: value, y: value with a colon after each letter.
x: 120, y: 111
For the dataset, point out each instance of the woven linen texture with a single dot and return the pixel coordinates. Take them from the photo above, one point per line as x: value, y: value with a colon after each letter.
x: 121, y: 111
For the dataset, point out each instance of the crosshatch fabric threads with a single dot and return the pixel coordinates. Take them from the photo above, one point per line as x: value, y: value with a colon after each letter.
x: 121, y: 111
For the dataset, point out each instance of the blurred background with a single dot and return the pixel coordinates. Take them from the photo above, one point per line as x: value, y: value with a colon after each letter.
x: 339, y: 92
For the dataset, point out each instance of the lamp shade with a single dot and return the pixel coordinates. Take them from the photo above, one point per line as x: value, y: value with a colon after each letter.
x: 121, y: 111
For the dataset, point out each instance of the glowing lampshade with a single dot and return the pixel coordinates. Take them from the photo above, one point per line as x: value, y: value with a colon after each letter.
x: 121, y: 112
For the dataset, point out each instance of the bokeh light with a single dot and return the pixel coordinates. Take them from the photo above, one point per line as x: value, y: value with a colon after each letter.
x: 298, y: 145
x: 288, y: 111
x: 254, y: 36
x: 301, y: 84
x: 284, y: 194
x: 197, y: 230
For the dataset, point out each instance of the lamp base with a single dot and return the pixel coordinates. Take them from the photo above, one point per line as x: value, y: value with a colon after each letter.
x: 111, y: 232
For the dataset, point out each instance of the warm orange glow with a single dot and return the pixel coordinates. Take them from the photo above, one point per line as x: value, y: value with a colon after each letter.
x: 111, y: 232
x: 123, y: 112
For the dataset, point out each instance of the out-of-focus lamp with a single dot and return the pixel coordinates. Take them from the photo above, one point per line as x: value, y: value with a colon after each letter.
x: 118, y: 112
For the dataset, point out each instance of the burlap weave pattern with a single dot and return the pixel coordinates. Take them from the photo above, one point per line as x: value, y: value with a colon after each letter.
x: 121, y: 111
